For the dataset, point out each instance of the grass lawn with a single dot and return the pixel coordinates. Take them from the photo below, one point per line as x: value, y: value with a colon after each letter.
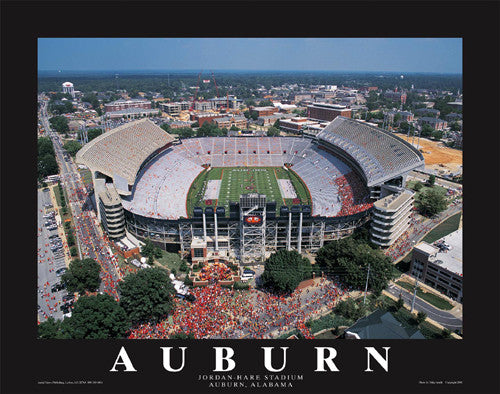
x: 443, y: 229
x: 242, y: 180
x: 431, y: 298
x: 328, y: 321
x: 170, y: 260
x: 86, y: 176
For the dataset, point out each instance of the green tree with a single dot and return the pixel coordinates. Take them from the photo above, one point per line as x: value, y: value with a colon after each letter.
x: 98, y: 317
x: 47, y: 165
x: 93, y: 133
x: 82, y: 275
x: 254, y: 115
x: 351, y: 258
x: 247, y: 114
x: 166, y: 127
x: 59, y: 124
x: 49, y: 329
x: 431, y: 201
x: 350, y: 309
x: 147, y: 295
x: 454, y: 126
x: 72, y: 147
x: 446, y: 334
x: 421, y: 316
x: 250, y: 103
x: 418, y: 186
x: 432, y: 180
x: 399, y: 303
x: 273, y: 132
x: 426, y: 131
x: 234, y: 128
x: 437, y: 134
x: 284, y: 270
x: 71, y: 239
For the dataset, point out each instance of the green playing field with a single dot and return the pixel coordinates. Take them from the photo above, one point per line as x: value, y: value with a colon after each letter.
x: 235, y: 181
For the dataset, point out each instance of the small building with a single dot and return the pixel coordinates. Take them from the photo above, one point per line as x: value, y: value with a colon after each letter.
x: 174, y: 109
x: 436, y: 124
x: 205, y: 117
x: 381, y: 325
x: 265, y: 111
x: 440, y: 265
x: 429, y: 112
x: 228, y: 121
x: 396, y: 96
x: 119, y: 105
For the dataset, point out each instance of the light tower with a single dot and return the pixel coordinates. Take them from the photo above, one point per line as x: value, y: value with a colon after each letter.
x: 68, y: 88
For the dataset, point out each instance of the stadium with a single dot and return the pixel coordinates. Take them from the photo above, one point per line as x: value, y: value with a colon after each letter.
x: 241, y: 198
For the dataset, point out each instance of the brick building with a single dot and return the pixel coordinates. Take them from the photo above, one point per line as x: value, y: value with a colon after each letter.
x: 327, y: 112
x: 120, y: 105
x: 205, y: 117
x: 265, y: 111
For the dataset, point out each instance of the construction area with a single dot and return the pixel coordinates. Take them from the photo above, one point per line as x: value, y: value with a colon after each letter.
x: 437, y: 156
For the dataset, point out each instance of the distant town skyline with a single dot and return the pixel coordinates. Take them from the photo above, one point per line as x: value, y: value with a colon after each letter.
x: 430, y: 55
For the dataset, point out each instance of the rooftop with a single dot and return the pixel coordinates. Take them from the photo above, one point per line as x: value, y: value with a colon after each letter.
x: 383, y: 325
x: 394, y: 201
x: 452, y: 259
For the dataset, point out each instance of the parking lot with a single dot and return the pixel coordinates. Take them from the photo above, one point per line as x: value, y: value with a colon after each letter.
x: 51, y: 264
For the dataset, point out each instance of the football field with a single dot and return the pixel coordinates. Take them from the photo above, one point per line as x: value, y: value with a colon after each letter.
x: 219, y: 186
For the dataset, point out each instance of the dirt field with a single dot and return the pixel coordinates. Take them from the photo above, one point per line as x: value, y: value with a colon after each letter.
x: 437, y: 156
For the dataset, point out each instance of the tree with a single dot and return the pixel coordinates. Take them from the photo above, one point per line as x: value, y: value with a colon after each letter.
x: 247, y: 114
x: 284, y: 270
x: 47, y: 165
x: 399, y: 303
x: 82, y: 275
x: 266, y: 103
x: 418, y: 186
x: 166, y: 127
x: 254, y: 115
x: 49, y: 329
x: 454, y: 126
x: 93, y: 133
x: 432, y: 180
x: 147, y: 295
x: 277, y: 124
x: 273, y: 132
x: 250, y: 103
x: 72, y: 147
x: 426, y: 131
x: 446, y: 334
x: 97, y: 317
x: 421, y: 316
x: 234, y: 128
x: 431, y: 201
x: 351, y: 258
x: 437, y: 134
x: 59, y: 124
x: 350, y: 309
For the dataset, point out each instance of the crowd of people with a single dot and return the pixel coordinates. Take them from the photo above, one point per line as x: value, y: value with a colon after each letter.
x: 350, y: 191
x: 221, y: 313
x: 215, y: 271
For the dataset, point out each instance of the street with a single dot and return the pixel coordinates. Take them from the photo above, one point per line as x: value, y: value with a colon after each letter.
x: 444, y: 318
x: 91, y: 241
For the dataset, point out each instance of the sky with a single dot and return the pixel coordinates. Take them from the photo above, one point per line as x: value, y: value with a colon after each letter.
x: 433, y: 55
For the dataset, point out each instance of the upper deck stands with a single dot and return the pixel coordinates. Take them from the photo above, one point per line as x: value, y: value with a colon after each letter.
x: 380, y: 155
x: 122, y: 151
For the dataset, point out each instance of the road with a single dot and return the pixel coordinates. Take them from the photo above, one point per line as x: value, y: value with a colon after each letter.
x: 91, y: 240
x: 444, y: 318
